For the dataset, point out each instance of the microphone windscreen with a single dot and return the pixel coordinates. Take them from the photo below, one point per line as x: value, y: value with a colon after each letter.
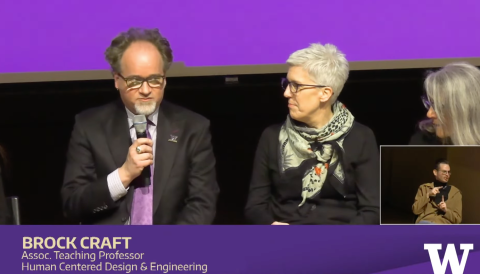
x: 140, y: 123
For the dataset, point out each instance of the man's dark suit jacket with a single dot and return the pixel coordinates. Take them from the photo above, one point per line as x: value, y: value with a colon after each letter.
x: 275, y: 196
x: 185, y: 190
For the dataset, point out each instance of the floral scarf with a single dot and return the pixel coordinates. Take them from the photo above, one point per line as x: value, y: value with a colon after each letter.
x: 296, y: 146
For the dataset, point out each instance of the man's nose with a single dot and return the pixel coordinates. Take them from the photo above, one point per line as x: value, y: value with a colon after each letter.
x: 287, y: 93
x: 145, y: 89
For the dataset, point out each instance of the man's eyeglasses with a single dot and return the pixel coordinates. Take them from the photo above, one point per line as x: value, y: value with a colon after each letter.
x: 294, y: 87
x: 136, y: 82
x: 426, y: 102
x: 444, y: 172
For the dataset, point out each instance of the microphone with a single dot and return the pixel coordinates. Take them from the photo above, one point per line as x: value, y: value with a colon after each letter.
x: 140, y: 124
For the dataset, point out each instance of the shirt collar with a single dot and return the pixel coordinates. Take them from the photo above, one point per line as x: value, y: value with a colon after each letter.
x: 152, y: 117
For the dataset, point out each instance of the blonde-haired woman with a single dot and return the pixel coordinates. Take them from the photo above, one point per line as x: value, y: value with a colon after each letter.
x: 452, y: 99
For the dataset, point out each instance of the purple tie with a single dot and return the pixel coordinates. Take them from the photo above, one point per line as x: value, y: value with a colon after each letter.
x: 143, y: 200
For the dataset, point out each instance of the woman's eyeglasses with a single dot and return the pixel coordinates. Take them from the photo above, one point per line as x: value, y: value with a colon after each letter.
x: 136, y: 82
x: 294, y: 87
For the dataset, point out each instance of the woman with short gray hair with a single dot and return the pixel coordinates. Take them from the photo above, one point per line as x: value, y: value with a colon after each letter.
x: 452, y: 96
x: 320, y: 166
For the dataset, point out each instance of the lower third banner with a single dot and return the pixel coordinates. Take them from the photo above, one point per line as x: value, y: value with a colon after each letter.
x: 240, y: 249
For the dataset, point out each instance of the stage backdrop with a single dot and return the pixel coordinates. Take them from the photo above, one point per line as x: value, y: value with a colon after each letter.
x: 66, y: 39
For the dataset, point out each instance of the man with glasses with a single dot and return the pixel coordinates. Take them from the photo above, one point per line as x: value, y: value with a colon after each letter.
x: 438, y: 202
x: 106, y: 167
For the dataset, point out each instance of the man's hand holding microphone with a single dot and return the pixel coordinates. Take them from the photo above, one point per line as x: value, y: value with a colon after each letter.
x: 140, y: 155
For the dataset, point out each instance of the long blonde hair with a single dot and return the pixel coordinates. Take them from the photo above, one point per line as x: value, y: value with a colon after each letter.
x: 455, y: 93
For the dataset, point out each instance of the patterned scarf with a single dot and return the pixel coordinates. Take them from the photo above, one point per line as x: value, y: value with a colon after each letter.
x: 296, y: 146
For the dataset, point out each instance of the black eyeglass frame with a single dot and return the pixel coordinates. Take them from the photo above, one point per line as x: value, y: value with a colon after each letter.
x: 143, y: 80
x: 294, y: 87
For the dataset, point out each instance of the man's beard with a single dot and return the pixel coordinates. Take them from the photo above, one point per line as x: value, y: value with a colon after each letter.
x: 145, y: 108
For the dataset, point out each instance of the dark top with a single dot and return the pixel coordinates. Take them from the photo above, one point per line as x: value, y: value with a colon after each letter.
x: 275, y: 197
x: 423, y: 138
x: 185, y: 189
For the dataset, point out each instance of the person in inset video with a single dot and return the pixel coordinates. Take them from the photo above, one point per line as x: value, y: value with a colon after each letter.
x: 452, y: 100
x: 438, y: 202
x: 104, y: 181
x: 320, y: 166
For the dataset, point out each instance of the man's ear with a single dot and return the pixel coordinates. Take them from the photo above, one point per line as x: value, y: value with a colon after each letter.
x: 435, y: 172
x: 116, y: 79
x: 325, y: 94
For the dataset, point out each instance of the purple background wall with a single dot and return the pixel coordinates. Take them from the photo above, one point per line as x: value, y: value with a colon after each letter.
x: 59, y: 35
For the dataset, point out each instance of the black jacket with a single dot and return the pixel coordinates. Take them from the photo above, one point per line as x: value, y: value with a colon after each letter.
x: 422, y: 138
x: 185, y: 189
x: 275, y: 197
